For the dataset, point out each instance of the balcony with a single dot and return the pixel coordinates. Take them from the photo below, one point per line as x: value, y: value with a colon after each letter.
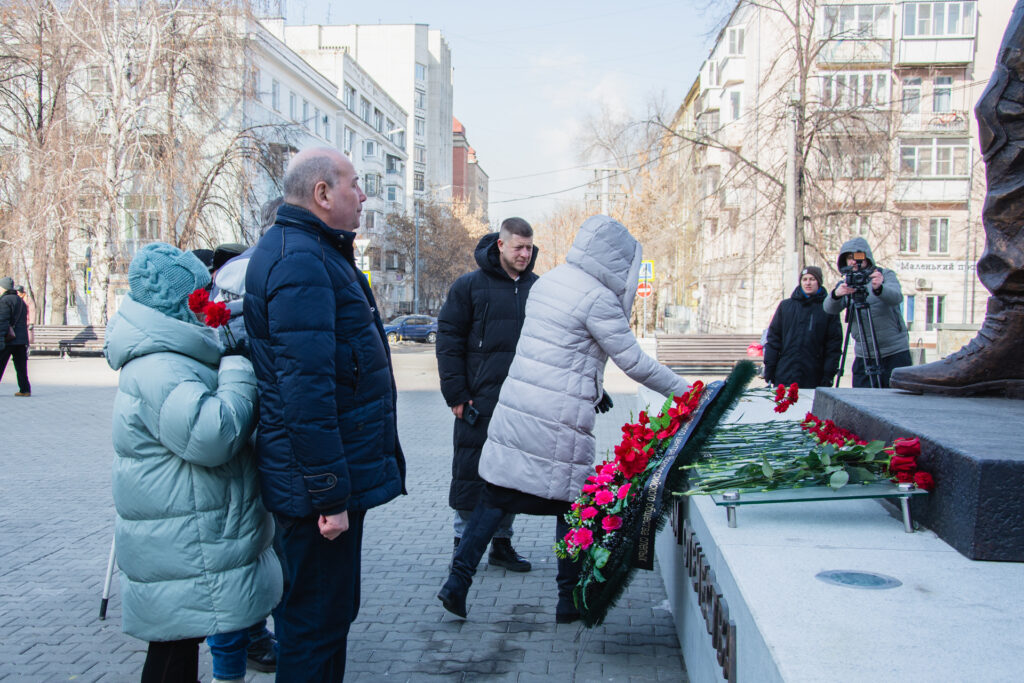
x: 859, y: 52
x: 931, y: 190
x: 932, y: 122
x: 929, y: 51
x: 732, y: 70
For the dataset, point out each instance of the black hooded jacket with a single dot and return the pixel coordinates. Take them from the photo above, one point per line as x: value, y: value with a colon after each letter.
x: 13, y: 313
x: 477, y: 332
x: 804, y: 342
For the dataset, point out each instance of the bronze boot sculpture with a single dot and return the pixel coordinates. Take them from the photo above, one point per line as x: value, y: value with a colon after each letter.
x: 993, y: 362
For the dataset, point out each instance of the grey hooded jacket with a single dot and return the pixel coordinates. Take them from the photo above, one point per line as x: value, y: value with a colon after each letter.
x: 540, y: 439
x: 890, y: 329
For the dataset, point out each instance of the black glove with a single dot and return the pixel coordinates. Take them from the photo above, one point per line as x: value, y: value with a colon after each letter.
x: 605, y: 404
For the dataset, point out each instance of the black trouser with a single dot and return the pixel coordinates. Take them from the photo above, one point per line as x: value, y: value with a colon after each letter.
x: 481, y: 527
x: 19, y: 352
x: 321, y: 598
x: 861, y: 379
x: 172, y: 661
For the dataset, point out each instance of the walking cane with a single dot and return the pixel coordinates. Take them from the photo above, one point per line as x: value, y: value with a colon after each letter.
x: 106, y: 583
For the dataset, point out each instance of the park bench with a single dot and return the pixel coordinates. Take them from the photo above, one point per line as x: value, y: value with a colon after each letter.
x: 64, y: 339
x: 704, y: 353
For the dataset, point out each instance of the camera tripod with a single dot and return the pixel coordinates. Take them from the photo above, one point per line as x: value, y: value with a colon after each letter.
x: 859, y: 309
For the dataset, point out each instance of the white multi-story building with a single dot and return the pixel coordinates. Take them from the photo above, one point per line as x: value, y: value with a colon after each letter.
x: 371, y: 131
x: 888, y: 146
x: 413, y: 64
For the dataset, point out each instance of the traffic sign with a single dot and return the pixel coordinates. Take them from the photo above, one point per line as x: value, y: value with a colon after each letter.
x: 644, y: 290
x: 646, y: 271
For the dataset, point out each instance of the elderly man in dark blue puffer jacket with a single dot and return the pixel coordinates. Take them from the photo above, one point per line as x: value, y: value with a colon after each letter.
x: 327, y: 443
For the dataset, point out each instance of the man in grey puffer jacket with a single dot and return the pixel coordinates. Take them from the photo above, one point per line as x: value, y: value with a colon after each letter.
x: 540, y: 444
x: 884, y: 298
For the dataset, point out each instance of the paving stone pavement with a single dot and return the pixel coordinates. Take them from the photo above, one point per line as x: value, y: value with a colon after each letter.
x: 56, y: 520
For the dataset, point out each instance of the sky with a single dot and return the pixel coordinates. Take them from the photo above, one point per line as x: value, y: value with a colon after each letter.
x: 528, y: 74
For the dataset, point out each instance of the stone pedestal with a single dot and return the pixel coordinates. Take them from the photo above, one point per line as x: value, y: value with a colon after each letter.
x: 974, y: 447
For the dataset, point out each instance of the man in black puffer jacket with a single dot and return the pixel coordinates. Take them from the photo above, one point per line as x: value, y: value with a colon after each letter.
x: 804, y: 342
x: 14, y: 315
x: 327, y: 444
x: 477, y: 332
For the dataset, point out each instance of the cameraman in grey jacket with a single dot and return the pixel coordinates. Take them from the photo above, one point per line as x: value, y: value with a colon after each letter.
x: 540, y: 443
x: 884, y: 298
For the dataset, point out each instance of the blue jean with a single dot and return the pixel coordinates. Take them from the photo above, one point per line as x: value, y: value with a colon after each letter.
x: 321, y: 598
x: 504, y: 526
x: 230, y: 650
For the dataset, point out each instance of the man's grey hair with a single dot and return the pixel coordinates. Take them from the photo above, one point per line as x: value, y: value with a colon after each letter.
x: 514, y: 226
x: 302, y: 177
x: 268, y: 214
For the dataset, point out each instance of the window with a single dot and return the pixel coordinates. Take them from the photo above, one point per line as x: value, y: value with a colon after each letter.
x: 370, y: 217
x: 371, y: 184
x: 365, y: 110
x: 421, y: 72
x: 316, y: 120
x: 854, y: 158
x: 393, y: 164
x: 417, y: 181
x: 856, y: 21
x: 908, y: 308
x: 141, y: 217
x: 349, y: 140
x: 420, y: 154
x: 854, y: 89
x: 393, y: 193
x: 714, y: 74
x: 938, y: 236
x: 859, y: 226
x: 708, y: 123
x: 369, y: 149
x: 350, y: 98
x: 398, y: 137
x: 293, y: 106
x: 911, y: 96
x: 305, y: 113
x: 734, y: 105
x: 97, y: 79
x: 942, y: 95
x: 390, y: 129
x: 909, y: 229
x: 934, y: 311
x: 420, y: 127
x: 420, y: 99
x: 378, y: 120
x: 736, y: 41
x: 926, y: 157
x: 922, y: 19
x: 327, y: 127
x: 275, y: 95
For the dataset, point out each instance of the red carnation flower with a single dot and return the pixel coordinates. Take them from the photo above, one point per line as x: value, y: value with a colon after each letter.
x: 603, y: 497
x: 197, y: 301
x: 217, y: 314
x: 643, y: 419
x: 584, y: 538
x: 624, y: 491
x: 611, y: 523
x: 588, y: 512
x: 794, y: 393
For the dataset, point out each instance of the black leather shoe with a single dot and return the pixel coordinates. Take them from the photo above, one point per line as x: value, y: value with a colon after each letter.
x: 566, y: 612
x: 504, y: 555
x: 260, y: 655
x: 453, y: 597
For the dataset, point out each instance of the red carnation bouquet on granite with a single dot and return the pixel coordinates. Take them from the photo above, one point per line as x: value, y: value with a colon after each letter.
x: 813, y: 452
x: 213, y: 314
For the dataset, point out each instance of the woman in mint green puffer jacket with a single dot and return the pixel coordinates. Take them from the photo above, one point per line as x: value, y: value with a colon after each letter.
x: 193, y: 539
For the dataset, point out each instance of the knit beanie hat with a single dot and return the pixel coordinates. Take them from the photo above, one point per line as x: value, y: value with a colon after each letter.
x: 6, y: 284
x: 162, y: 277
x: 813, y: 271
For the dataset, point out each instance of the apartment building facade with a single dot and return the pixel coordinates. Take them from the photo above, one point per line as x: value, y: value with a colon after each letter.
x: 412, y: 62
x: 870, y: 123
x: 469, y: 180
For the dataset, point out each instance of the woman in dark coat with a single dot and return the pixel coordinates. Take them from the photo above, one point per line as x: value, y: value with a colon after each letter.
x: 804, y: 342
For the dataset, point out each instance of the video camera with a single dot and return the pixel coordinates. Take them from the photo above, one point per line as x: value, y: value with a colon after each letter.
x: 858, y: 276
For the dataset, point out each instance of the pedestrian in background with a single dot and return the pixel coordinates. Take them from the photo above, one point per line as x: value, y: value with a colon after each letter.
x: 327, y: 442
x: 477, y: 331
x: 193, y: 538
x: 540, y: 444
x: 14, y: 328
x: 804, y: 342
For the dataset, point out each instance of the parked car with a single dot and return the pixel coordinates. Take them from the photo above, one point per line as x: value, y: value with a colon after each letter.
x: 421, y: 328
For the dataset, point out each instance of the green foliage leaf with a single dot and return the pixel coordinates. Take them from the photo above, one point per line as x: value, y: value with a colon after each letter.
x: 598, y: 576
x: 600, y: 556
x: 839, y: 479
x: 860, y: 474
x: 766, y: 469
